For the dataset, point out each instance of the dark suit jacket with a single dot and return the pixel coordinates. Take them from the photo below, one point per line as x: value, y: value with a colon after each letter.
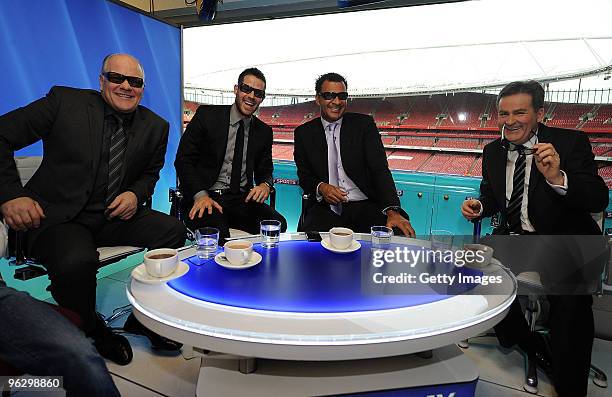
x: 202, y: 149
x: 70, y: 123
x: 363, y: 158
x: 549, y: 212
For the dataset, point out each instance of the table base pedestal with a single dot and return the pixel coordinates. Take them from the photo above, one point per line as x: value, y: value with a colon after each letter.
x: 448, y: 371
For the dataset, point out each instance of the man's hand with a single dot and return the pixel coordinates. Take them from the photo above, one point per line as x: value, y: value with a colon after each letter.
x: 22, y: 213
x: 548, y: 163
x: 395, y: 219
x: 470, y: 209
x: 202, y: 204
x: 258, y: 193
x: 333, y: 194
x: 123, y: 206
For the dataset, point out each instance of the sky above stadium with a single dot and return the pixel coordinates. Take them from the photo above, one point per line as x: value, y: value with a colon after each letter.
x: 409, y: 49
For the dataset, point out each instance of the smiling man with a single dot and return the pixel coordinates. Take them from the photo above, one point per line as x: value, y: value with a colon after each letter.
x: 342, y: 166
x: 103, y: 152
x: 224, y: 163
x: 544, y: 182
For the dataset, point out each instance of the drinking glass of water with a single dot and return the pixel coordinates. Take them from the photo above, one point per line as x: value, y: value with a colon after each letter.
x: 441, y: 244
x: 207, y: 241
x: 381, y: 236
x: 270, y: 231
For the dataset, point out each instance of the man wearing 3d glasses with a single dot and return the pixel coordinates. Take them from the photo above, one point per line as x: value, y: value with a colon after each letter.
x: 224, y: 163
x: 102, y: 156
x: 342, y: 166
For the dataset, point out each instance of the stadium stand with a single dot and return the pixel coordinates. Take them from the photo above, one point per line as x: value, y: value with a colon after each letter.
x: 433, y: 123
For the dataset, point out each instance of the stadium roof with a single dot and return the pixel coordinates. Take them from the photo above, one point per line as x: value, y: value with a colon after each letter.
x: 440, y: 47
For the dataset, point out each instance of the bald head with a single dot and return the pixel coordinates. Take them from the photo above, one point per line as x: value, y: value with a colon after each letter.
x: 109, y: 57
x: 118, y: 93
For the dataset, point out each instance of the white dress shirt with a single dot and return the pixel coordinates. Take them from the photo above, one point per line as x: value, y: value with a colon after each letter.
x: 510, y: 163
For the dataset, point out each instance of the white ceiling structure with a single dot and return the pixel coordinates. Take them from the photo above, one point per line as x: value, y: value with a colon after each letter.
x: 412, y: 49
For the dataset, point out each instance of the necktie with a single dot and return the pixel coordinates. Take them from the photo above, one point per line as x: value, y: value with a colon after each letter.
x: 237, y: 160
x: 333, y: 164
x: 115, y: 161
x: 516, y: 199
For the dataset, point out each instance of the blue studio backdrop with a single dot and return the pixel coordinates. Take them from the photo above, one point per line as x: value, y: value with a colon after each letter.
x: 62, y: 42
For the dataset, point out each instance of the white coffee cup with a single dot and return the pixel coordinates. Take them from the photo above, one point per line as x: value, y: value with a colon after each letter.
x: 238, y: 252
x: 161, y: 262
x: 340, y: 237
x: 482, y: 255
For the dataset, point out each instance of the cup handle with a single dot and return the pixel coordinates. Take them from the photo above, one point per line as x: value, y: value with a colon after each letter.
x: 246, y: 255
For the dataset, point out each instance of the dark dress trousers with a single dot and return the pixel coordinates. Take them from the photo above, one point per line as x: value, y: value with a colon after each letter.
x: 557, y: 217
x: 365, y: 163
x: 70, y: 123
x: 198, y: 164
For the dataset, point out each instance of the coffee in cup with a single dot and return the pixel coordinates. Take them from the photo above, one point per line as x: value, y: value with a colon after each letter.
x: 482, y: 255
x: 238, y: 252
x: 161, y: 262
x: 341, y: 237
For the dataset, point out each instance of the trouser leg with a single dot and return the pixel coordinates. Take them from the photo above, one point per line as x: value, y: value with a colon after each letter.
x: 147, y: 228
x: 68, y: 251
x: 39, y: 341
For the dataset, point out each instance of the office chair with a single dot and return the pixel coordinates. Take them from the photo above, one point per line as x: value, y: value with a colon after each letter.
x: 531, y: 286
x: 176, y: 196
x: 29, y: 267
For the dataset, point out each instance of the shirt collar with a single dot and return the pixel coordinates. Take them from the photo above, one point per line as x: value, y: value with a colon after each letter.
x: 532, y: 140
x: 236, y: 116
x: 327, y: 123
x: 126, y: 117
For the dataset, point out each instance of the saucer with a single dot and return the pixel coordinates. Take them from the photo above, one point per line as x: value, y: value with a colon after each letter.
x: 355, y: 245
x: 140, y: 273
x: 254, y: 260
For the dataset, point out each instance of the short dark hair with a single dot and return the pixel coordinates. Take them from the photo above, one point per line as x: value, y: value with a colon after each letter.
x: 530, y: 87
x: 333, y: 77
x: 253, y: 72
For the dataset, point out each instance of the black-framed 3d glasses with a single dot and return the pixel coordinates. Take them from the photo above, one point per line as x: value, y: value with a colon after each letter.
x: 328, y: 96
x: 247, y: 89
x: 118, y: 78
x: 522, y: 150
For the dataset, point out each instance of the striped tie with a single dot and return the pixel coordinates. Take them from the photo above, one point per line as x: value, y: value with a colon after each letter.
x: 516, y: 199
x: 115, y: 161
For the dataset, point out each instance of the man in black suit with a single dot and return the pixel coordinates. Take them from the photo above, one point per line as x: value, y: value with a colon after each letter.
x: 224, y: 163
x: 342, y: 166
x: 102, y: 156
x: 544, y: 183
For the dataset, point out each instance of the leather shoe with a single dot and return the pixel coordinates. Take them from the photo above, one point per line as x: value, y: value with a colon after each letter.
x: 112, y: 346
x: 158, y: 342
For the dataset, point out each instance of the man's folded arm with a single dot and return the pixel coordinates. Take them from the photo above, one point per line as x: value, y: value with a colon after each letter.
x: 21, y: 128
x: 307, y: 180
x: 188, y: 156
x: 376, y: 159
x: 586, y: 189
x: 263, y: 165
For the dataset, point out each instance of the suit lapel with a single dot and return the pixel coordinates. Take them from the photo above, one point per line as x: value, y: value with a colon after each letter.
x: 135, y: 134
x: 95, y: 114
x: 222, y: 128
x: 320, y: 144
x: 251, y: 146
